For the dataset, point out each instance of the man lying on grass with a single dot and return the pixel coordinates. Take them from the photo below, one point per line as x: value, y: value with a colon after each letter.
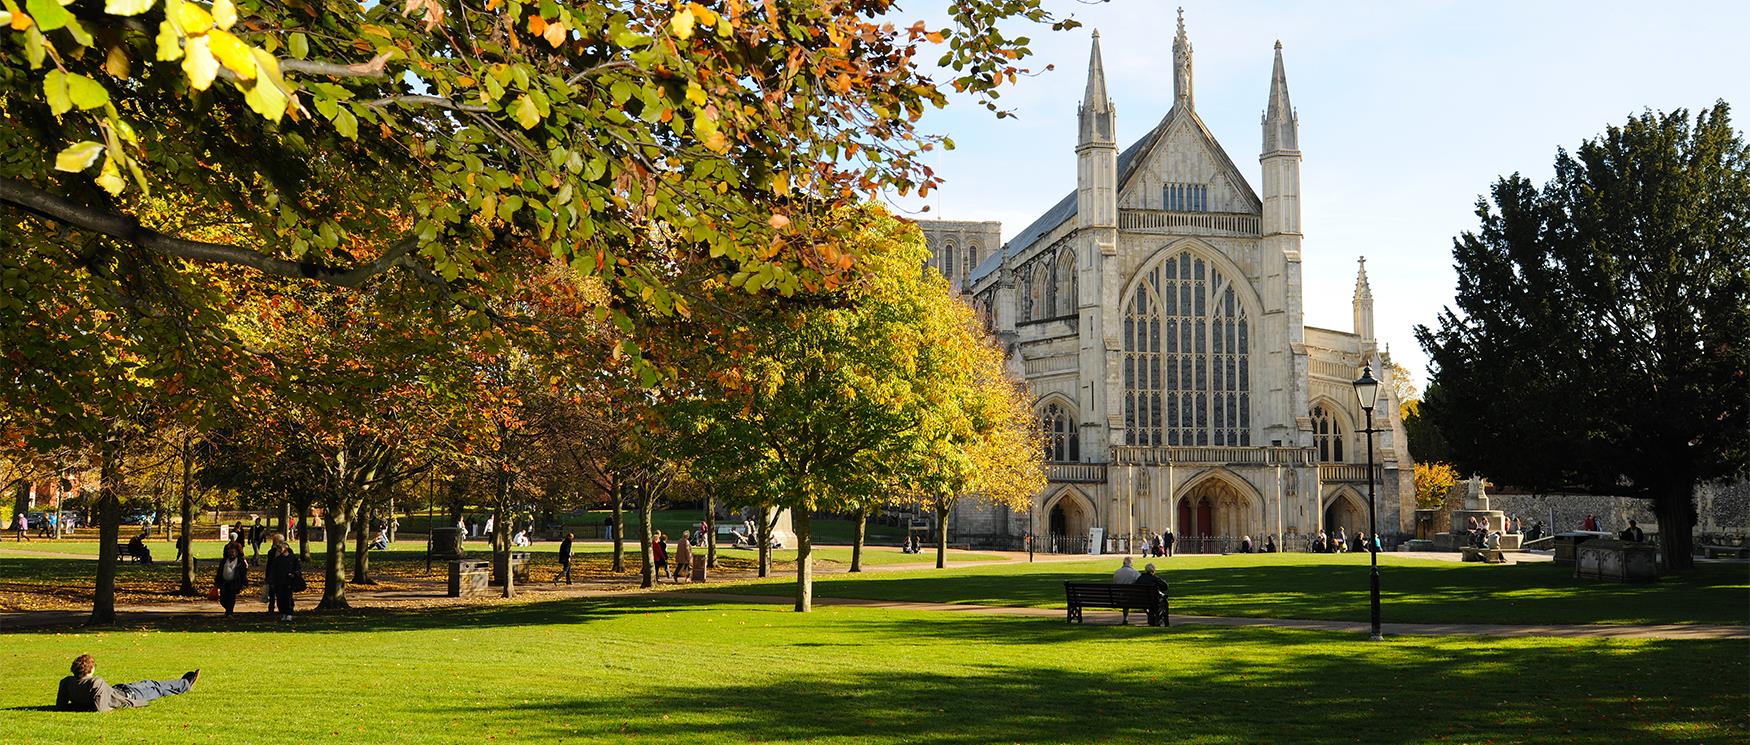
x: 84, y: 691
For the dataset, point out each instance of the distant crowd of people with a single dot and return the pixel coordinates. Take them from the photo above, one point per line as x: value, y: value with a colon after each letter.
x: 1341, y: 542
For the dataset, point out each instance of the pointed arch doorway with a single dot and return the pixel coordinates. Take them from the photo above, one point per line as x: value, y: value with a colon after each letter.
x: 1347, y: 512
x: 1215, y: 514
x: 1067, y: 521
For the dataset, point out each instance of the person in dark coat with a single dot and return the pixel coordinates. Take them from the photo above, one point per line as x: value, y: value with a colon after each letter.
x: 1149, y: 578
x: 257, y: 533
x: 1167, y: 542
x: 285, y: 576
x: 564, y: 560
x: 137, y: 548
x: 231, y: 576
x: 84, y: 691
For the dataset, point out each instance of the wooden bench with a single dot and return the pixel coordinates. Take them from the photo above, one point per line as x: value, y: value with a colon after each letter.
x: 1149, y: 598
x: 122, y: 552
x: 1734, y: 552
x: 1484, y: 555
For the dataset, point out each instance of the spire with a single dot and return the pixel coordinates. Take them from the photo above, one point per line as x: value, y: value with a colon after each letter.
x: 1281, y: 125
x: 1363, y: 304
x: 1096, y: 111
x: 1182, y: 66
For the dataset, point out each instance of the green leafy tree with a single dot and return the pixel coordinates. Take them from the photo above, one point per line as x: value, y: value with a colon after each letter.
x: 1599, y: 339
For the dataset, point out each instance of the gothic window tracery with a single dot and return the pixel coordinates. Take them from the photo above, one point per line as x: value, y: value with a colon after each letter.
x: 948, y: 252
x: 1066, y: 283
x: 1187, y: 374
x: 1062, y: 442
x: 1327, y: 435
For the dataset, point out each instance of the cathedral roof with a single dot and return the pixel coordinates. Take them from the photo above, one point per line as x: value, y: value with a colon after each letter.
x: 1128, y: 160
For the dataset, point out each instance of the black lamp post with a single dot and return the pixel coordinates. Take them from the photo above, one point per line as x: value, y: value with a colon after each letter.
x: 1367, y: 393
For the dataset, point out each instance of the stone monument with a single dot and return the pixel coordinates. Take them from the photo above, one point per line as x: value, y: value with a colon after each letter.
x: 1476, y: 505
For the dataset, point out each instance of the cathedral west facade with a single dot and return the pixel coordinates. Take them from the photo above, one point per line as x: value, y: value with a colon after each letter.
x: 1155, y: 313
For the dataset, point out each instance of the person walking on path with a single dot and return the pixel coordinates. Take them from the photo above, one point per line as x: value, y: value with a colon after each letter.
x: 84, y: 691
x: 285, y: 577
x: 1167, y: 542
x: 257, y: 532
x: 231, y: 576
x: 659, y: 554
x: 564, y: 560
x: 20, y: 527
x: 683, y: 556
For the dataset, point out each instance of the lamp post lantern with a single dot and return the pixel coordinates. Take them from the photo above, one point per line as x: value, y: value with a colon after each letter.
x: 1367, y: 394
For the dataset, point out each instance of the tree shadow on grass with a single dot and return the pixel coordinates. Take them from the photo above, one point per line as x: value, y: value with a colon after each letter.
x: 1524, y: 593
x: 1267, y: 686
x: 483, y: 615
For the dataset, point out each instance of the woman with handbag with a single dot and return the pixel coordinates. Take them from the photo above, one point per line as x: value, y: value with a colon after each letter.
x: 285, y: 575
x: 231, y: 576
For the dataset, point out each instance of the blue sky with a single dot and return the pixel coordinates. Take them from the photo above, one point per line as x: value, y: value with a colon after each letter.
x: 1408, y: 112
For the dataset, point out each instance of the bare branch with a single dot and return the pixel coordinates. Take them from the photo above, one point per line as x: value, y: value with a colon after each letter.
x: 375, y: 68
x: 126, y: 229
x: 412, y: 100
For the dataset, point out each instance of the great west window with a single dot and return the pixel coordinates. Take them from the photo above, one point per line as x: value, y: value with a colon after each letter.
x: 1186, y: 372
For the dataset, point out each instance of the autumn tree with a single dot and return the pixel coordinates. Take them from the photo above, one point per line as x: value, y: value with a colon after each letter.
x: 828, y: 402
x: 432, y: 135
x: 1598, y: 341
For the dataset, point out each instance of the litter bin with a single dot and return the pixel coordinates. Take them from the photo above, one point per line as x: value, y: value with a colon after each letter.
x: 699, y: 568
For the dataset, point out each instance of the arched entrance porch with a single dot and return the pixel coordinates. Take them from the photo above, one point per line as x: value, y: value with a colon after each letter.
x: 1069, y: 515
x: 1216, y: 512
x: 1345, y: 511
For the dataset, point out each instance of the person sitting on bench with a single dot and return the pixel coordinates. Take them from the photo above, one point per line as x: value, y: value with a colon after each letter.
x: 137, y: 548
x: 84, y: 691
x: 1149, y: 578
x: 1126, y: 574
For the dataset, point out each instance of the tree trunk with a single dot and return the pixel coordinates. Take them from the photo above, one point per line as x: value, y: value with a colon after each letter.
x: 186, y: 540
x: 21, y: 497
x: 361, y: 552
x: 803, y: 523
x: 941, y: 534
x: 763, y: 534
x: 109, y: 529
x: 857, y: 532
x: 646, y: 532
x: 1675, y: 509
x: 389, y: 521
x: 617, y: 495
x: 711, y: 531
x: 304, y: 531
x: 334, y: 522
x: 501, y: 535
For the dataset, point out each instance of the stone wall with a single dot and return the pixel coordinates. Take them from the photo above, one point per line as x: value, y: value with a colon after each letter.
x: 1722, y: 512
x: 1570, y: 509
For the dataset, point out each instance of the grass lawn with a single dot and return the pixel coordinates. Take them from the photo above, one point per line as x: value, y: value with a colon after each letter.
x: 651, y: 669
x: 1335, y: 586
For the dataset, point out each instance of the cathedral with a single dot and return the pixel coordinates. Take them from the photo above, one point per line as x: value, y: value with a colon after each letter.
x: 1155, y: 314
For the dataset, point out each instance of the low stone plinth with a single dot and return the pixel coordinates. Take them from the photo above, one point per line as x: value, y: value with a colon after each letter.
x: 1622, y: 561
x: 1567, y: 543
x: 1418, y: 544
x: 469, y: 578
